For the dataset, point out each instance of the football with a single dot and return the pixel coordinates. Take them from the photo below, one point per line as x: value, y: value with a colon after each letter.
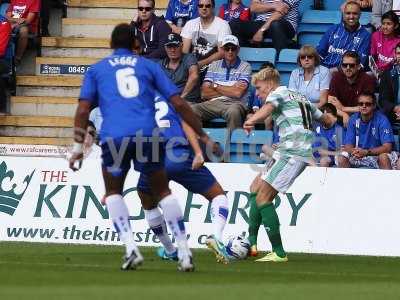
x: 237, y: 247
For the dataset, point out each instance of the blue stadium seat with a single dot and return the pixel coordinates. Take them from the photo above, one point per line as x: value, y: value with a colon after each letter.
x: 309, y: 38
x: 365, y: 18
x: 286, y: 63
x: 3, y: 8
x: 219, y: 135
x: 319, y: 20
x: 305, y: 5
x: 333, y: 4
x: 257, y: 56
x: 216, y: 123
x: 245, y: 148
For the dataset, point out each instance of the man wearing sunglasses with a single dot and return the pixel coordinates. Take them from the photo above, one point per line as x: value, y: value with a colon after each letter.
x: 369, y: 138
x: 203, y: 35
x: 224, y: 90
x: 152, y: 31
x: 347, y: 83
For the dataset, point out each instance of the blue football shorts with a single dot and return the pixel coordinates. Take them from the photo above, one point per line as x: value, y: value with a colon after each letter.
x: 180, y: 170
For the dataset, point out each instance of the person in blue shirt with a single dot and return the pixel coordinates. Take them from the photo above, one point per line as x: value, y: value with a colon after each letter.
x: 184, y: 165
x: 346, y: 36
x: 369, y: 138
x: 179, y: 12
x: 123, y: 85
x: 328, y: 138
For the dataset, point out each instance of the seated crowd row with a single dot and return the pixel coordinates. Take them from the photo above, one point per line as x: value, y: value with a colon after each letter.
x: 201, y: 55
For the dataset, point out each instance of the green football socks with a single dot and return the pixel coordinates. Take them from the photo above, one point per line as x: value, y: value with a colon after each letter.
x: 254, y: 220
x: 270, y: 221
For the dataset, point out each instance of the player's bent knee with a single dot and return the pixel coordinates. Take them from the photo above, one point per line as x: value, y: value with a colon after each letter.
x: 266, y: 193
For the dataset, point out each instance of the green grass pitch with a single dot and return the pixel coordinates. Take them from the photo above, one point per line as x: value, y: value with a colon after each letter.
x: 53, y: 271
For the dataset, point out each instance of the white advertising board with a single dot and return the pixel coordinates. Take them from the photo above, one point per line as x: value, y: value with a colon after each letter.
x: 337, y: 211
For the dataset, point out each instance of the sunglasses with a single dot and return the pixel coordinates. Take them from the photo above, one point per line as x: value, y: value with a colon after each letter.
x: 204, y: 6
x: 367, y: 104
x: 230, y: 48
x: 306, y: 56
x: 147, y: 8
x: 345, y: 66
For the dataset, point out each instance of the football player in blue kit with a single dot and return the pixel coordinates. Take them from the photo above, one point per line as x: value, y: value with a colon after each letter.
x: 123, y: 85
x: 184, y: 165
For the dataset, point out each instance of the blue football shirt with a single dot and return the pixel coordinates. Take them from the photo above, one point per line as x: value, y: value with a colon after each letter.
x: 124, y: 86
x: 374, y: 133
x: 169, y: 122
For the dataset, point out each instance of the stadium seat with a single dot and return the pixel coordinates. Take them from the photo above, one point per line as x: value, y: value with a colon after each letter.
x: 305, y: 5
x: 309, y: 38
x: 219, y: 135
x: 286, y: 63
x: 333, y: 4
x: 245, y: 148
x: 3, y: 9
x: 365, y: 18
x: 216, y: 123
x: 257, y: 56
x: 319, y: 20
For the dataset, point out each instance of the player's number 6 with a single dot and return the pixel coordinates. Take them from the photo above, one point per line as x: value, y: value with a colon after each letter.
x: 128, y: 85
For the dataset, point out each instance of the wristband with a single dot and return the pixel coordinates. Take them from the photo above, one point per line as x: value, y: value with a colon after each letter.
x: 77, y: 148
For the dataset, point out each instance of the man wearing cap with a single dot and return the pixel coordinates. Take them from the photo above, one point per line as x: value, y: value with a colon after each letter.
x: 182, y: 68
x: 224, y: 90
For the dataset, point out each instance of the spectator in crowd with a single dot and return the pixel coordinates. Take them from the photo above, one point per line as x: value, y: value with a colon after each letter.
x: 23, y: 16
x: 182, y: 68
x: 179, y: 12
x: 205, y: 34
x: 328, y: 138
x: 225, y: 87
x: 152, y: 31
x: 273, y: 19
x: 234, y: 10
x: 347, y: 83
x: 385, y: 40
x: 5, y: 34
x: 369, y: 138
x: 310, y: 79
x: 379, y: 7
x: 348, y: 35
x: 389, y: 96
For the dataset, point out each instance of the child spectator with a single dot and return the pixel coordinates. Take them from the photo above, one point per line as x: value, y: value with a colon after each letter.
x: 384, y: 41
x: 234, y: 10
x: 328, y: 140
x: 179, y: 12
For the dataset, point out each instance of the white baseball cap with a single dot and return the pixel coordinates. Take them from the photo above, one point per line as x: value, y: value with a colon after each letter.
x: 230, y: 39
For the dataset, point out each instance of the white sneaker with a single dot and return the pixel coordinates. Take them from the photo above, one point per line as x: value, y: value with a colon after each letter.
x: 132, y: 261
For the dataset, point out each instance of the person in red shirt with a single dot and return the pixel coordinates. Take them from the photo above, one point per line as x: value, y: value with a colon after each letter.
x: 234, y: 10
x: 23, y: 16
x: 5, y: 34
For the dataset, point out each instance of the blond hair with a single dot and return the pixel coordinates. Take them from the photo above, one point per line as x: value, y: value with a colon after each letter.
x: 266, y: 74
x: 308, y: 50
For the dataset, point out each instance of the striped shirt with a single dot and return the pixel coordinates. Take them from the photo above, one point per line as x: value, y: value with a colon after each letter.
x: 219, y: 72
x: 337, y: 40
x: 294, y: 116
x: 292, y: 16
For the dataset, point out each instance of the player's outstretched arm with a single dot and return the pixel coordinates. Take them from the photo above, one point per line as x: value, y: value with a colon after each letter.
x: 260, y: 115
x: 80, y: 125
